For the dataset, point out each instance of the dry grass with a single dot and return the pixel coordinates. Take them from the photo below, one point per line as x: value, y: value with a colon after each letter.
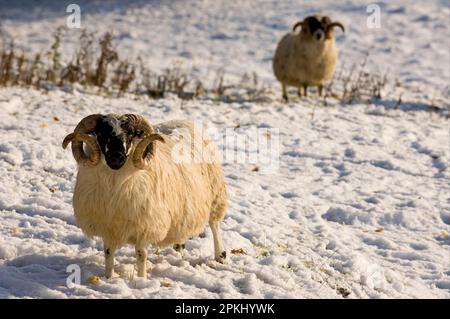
x: 356, y: 84
x: 97, y: 64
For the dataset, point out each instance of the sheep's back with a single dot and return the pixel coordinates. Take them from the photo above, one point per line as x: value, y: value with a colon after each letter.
x: 202, y: 176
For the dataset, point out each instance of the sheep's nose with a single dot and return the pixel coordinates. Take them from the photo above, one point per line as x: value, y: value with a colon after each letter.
x: 319, y: 35
x: 115, y: 160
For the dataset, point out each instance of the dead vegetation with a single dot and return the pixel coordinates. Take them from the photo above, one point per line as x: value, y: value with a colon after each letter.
x: 356, y: 84
x: 359, y: 84
x: 96, y: 64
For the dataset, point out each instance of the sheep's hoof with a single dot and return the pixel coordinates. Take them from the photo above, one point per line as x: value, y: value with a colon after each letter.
x: 285, y: 98
x: 179, y: 248
x: 221, y: 258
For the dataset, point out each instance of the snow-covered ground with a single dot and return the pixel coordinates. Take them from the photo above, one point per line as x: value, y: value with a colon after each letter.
x: 358, y: 206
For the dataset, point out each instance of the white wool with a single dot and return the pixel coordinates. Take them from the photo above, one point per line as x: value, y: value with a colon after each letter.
x: 165, y: 204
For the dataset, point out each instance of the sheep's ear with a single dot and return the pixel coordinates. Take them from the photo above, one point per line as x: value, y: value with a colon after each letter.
x: 298, y: 24
x: 326, y: 20
x: 158, y: 137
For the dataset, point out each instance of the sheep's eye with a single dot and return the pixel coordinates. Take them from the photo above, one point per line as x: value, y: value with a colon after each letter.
x: 138, y: 133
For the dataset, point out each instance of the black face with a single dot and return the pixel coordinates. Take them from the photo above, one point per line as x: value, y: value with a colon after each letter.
x: 114, y: 137
x: 318, y: 28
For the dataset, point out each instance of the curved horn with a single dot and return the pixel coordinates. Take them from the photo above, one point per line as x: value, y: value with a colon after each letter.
x: 336, y: 24
x: 69, y: 138
x: 141, y: 155
x: 88, y: 124
x: 143, y: 152
x: 80, y: 156
x: 140, y: 123
x: 85, y: 126
x: 298, y: 24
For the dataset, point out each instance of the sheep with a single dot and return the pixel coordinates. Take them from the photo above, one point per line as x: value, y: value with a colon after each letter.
x: 132, y: 186
x: 307, y: 58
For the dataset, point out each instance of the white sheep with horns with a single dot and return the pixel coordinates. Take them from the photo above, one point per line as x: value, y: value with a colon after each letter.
x: 307, y: 58
x: 132, y: 189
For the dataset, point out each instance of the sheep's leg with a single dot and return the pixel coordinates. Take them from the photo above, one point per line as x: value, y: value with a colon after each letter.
x: 305, y: 90
x: 299, y: 92
x: 109, y: 260
x: 141, y: 260
x: 320, y: 87
x: 219, y: 253
x: 285, y: 96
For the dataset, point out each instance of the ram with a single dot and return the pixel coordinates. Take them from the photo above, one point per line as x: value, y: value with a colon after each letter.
x: 307, y: 58
x: 135, y: 184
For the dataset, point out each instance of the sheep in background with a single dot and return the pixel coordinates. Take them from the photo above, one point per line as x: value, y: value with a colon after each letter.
x: 307, y: 58
x: 130, y: 189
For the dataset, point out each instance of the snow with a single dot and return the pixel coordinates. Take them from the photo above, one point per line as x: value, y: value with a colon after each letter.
x: 356, y: 204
